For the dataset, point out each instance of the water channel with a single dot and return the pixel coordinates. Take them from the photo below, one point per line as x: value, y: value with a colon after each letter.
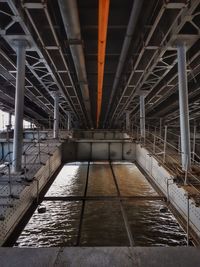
x: 94, y: 215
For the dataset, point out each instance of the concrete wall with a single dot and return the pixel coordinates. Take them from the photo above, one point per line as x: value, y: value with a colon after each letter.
x: 98, y: 150
x: 100, y: 135
x: 177, y: 195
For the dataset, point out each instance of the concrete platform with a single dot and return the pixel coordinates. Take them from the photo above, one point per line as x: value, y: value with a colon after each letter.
x: 101, y: 256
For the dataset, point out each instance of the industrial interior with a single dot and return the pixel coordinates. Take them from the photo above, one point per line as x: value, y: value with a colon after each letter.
x: 100, y: 133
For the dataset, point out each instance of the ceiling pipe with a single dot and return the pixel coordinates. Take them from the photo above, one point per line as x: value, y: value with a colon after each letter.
x: 135, y: 13
x: 102, y: 35
x: 70, y: 17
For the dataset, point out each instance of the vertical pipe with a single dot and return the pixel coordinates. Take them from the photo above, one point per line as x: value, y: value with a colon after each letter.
x: 69, y: 121
x: 183, y: 106
x: 165, y: 144
x: 56, y: 115
x: 194, y: 143
x: 19, y: 105
x: 142, y: 117
x: 188, y: 219
x: 39, y: 150
x: 127, y: 121
x: 9, y: 178
x: 154, y: 144
x: 179, y: 144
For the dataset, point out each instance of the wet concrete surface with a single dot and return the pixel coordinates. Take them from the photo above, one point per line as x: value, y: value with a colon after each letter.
x: 100, y: 256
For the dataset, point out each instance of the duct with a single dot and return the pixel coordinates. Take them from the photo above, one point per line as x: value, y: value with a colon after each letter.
x: 69, y: 13
x: 137, y: 5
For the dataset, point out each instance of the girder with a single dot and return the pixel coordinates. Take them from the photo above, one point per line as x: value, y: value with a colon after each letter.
x: 149, y: 62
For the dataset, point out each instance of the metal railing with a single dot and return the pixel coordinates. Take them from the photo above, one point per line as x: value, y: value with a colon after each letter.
x: 169, y: 154
x: 31, y: 159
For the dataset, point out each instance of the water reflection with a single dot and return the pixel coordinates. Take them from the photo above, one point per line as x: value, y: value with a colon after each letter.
x: 101, y: 181
x: 103, y: 223
x: 57, y: 227
x: 70, y: 181
x: 131, y: 181
x: 150, y: 227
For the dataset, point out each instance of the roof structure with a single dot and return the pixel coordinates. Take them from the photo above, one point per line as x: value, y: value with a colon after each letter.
x: 62, y: 55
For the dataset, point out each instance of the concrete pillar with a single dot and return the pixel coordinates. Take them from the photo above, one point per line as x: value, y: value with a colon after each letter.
x: 19, y: 105
x: 142, y: 116
x: 128, y: 121
x: 69, y: 121
x: 56, y: 115
x: 183, y: 107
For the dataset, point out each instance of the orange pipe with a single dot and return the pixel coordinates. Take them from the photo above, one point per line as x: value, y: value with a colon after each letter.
x: 102, y: 33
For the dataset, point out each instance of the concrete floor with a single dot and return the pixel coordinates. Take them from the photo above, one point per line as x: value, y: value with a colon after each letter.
x: 101, y: 256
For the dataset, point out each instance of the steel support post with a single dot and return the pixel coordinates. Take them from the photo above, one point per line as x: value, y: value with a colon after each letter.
x: 19, y: 105
x: 165, y: 144
x: 69, y: 121
x: 183, y: 107
x: 188, y: 220
x: 194, y: 143
x: 127, y: 121
x: 56, y: 114
x: 142, y: 117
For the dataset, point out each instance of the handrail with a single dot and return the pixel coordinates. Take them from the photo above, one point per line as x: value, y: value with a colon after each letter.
x: 157, y: 150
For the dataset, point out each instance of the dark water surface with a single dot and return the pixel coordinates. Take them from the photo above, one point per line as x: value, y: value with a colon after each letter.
x: 102, y: 223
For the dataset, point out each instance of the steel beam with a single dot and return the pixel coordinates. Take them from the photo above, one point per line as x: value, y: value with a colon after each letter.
x: 183, y: 107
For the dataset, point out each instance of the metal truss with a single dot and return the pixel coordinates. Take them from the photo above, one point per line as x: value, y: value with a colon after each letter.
x: 162, y: 59
x: 40, y: 63
x: 166, y: 89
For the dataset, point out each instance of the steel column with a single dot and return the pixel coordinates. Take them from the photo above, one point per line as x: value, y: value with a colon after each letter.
x: 183, y: 107
x: 19, y: 105
x: 142, y: 116
x: 56, y: 115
